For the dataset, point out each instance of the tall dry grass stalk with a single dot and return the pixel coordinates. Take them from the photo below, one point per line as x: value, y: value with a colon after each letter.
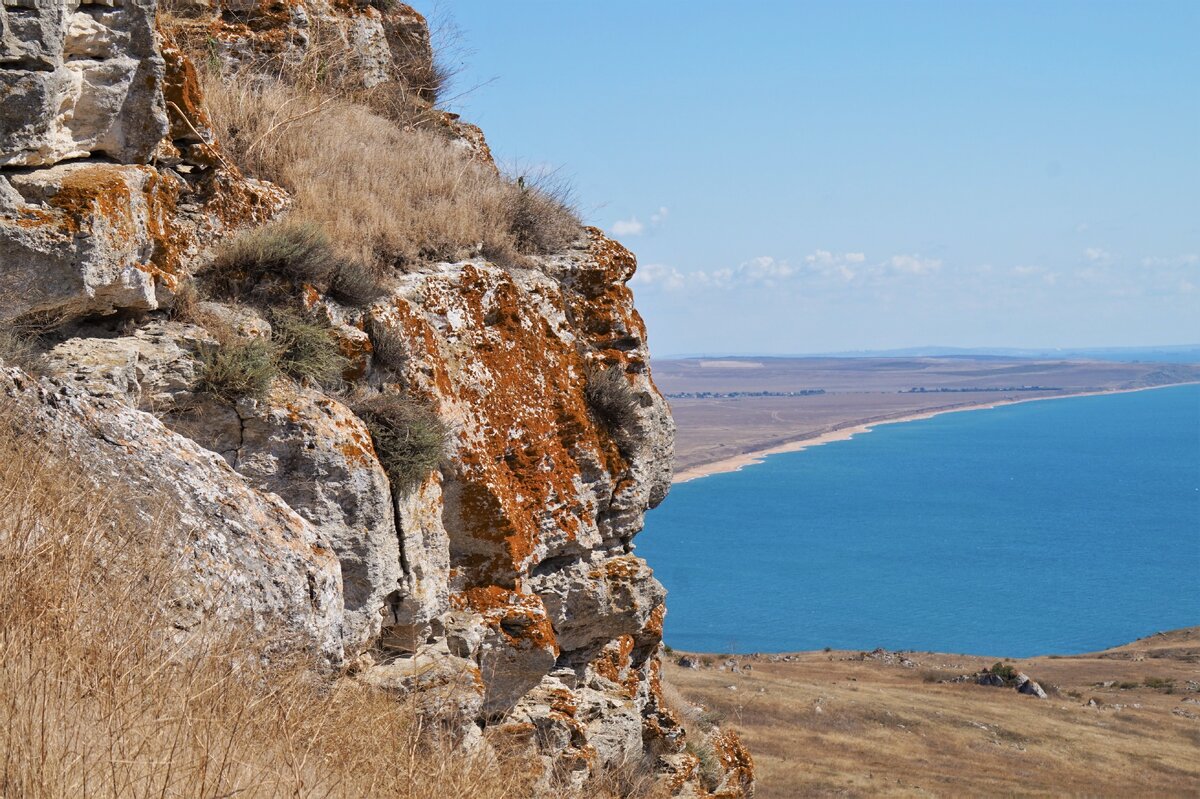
x: 100, y: 696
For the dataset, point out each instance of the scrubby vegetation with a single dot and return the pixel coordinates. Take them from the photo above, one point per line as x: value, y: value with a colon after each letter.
x: 307, y: 348
x: 239, y: 367
x: 296, y: 250
x: 410, y: 438
x: 612, y: 399
x: 1004, y: 671
x: 19, y: 350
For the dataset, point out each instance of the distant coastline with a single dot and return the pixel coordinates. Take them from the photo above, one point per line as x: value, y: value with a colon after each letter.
x: 847, y: 430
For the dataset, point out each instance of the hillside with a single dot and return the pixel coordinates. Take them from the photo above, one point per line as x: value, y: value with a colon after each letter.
x: 1122, y: 722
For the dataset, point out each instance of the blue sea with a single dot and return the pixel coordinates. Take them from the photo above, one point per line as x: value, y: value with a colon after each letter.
x: 1062, y: 526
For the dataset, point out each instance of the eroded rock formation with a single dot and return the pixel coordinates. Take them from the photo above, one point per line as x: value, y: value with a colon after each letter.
x: 506, y: 579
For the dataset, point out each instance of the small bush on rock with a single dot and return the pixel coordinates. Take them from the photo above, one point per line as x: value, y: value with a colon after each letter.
x: 239, y: 368
x: 409, y: 437
x: 297, y: 250
x: 357, y: 283
x: 612, y: 400
x: 307, y: 348
x: 1004, y: 671
x: 541, y: 215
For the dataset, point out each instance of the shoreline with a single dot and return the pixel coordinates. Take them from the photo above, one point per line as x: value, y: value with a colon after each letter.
x: 848, y: 430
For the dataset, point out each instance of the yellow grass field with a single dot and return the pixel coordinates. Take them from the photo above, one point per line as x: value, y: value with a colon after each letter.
x: 852, y: 724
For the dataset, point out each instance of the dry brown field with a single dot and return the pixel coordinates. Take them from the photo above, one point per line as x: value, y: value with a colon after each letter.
x: 861, y: 390
x: 1123, y: 722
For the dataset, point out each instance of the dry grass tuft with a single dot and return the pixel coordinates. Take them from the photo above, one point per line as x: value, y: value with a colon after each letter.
x: 409, y: 437
x: 613, y: 401
x: 239, y: 367
x: 295, y: 250
x: 307, y: 348
x: 398, y: 195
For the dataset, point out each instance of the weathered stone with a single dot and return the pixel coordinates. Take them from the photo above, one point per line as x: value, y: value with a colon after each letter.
x: 1028, y: 686
x: 79, y: 79
x: 448, y: 690
x: 155, y: 368
x: 593, y: 602
x: 517, y: 648
x: 425, y: 558
x: 318, y: 457
x: 245, y: 557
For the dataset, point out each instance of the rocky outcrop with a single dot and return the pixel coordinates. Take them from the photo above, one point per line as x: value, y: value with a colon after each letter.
x: 247, y: 557
x: 501, y: 592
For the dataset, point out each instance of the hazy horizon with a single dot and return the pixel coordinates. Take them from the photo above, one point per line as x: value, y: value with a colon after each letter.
x: 829, y: 177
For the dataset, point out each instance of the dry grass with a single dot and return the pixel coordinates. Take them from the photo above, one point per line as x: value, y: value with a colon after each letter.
x: 385, y: 194
x: 829, y: 724
x: 96, y: 701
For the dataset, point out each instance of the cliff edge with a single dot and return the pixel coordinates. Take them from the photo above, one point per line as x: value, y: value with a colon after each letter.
x: 400, y: 406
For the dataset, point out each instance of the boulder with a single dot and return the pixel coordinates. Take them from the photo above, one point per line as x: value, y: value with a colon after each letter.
x: 1029, y: 687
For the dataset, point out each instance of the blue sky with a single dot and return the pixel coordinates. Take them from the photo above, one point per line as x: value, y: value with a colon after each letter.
x: 806, y: 177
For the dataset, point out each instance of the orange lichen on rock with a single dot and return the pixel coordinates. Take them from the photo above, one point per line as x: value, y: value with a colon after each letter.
x: 736, y: 762
x: 520, y: 618
x: 521, y: 461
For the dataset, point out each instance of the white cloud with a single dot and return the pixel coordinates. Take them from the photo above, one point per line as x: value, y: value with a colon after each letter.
x: 1025, y: 271
x: 660, y: 216
x: 818, y: 268
x: 660, y: 275
x: 1096, y: 254
x: 914, y: 265
x: 1188, y: 259
x: 628, y: 227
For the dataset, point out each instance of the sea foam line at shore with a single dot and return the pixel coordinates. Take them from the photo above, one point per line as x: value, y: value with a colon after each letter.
x: 848, y: 430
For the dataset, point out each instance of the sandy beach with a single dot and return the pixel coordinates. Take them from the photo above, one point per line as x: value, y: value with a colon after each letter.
x: 858, y: 427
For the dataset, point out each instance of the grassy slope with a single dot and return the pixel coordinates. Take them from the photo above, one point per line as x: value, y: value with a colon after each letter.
x: 831, y: 723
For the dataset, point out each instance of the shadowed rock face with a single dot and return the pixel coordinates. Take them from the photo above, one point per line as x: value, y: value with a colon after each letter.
x: 507, y: 577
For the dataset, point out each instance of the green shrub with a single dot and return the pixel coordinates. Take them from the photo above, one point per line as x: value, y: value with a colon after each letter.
x: 239, y: 368
x: 1003, y: 671
x: 307, y: 348
x: 410, y: 439
x: 612, y: 400
x: 297, y: 250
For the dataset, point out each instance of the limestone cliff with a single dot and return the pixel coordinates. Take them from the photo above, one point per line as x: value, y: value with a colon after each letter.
x: 507, y: 574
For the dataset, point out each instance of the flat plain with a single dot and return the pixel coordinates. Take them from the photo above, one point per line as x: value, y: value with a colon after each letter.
x: 729, y: 407
x: 1122, y: 722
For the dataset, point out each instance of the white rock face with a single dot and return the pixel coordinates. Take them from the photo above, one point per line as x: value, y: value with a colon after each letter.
x: 78, y: 79
x: 317, y: 456
x: 245, y: 556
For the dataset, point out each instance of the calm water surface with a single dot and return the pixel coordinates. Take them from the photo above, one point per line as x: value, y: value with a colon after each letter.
x: 1063, y: 526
